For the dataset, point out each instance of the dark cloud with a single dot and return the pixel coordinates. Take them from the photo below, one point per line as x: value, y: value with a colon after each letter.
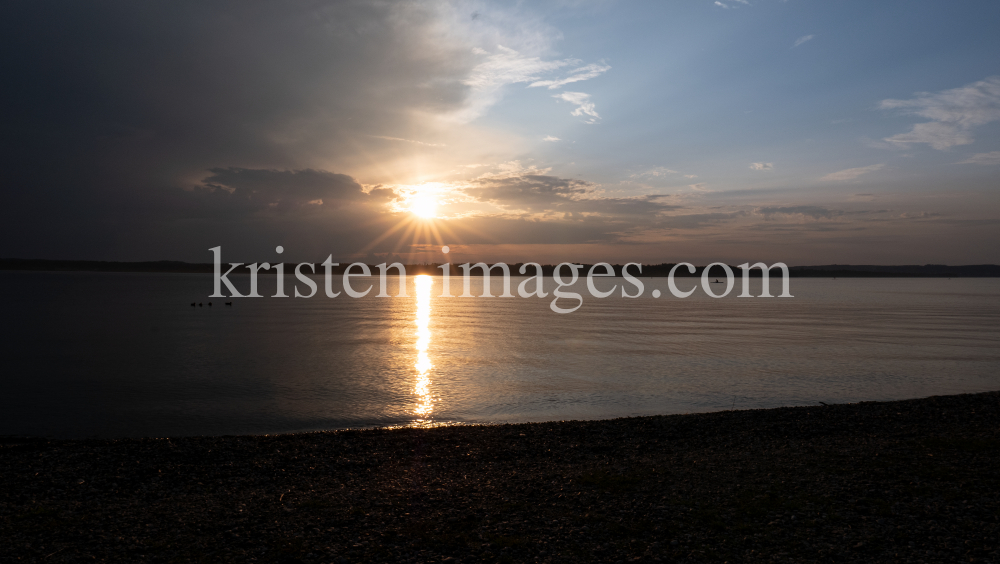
x: 815, y: 212
x: 969, y: 222
x: 810, y: 227
x: 538, y: 193
x: 112, y: 110
x: 698, y: 220
x: 532, y: 192
x: 649, y: 205
x: 280, y: 190
x: 254, y: 75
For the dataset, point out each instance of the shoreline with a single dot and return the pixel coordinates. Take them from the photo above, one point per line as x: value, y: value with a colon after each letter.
x: 909, y: 481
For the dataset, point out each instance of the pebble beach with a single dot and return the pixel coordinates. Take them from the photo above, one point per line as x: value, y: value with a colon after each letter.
x: 903, y: 481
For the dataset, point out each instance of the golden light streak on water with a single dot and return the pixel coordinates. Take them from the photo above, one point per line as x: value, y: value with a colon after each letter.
x: 425, y: 402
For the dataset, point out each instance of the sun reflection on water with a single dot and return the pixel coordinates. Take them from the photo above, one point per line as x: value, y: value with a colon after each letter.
x: 425, y: 402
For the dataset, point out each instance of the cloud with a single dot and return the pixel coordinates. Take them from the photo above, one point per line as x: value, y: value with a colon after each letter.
x: 407, y: 141
x: 803, y: 39
x: 815, y: 212
x: 650, y: 205
x: 970, y: 222
x: 850, y: 173
x: 701, y: 186
x: 811, y: 211
x: 697, y: 220
x: 761, y: 166
x: 287, y: 87
x: 939, y: 135
x: 954, y: 114
x: 654, y: 172
x: 727, y: 6
x: 254, y: 190
x: 505, y: 66
x: 583, y: 73
x: 551, y: 138
x: 531, y: 190
x: 988, y: 159
x: 583, y: 103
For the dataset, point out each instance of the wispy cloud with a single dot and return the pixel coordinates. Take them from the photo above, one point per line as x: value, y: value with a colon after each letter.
x: 407, y: 141
x: 576, y: 75
x: 812, y: 211
x: 983, y: 159
x: 721, y: 5
x: 815, y: 212
x: 505, y: 66
x: 662, y: 173
x: 954, y: 114
x: 937, y: 134
x: 551, y: 138
x: 761, y: 166
x: 920, y: 215
x: 803, y: 39
x: 518, y: 190
x: 583, y: 105
x: 654, y: 172
x: 850, y: 173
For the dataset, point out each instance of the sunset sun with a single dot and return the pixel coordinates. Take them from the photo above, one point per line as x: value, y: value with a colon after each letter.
x: 424, y: 206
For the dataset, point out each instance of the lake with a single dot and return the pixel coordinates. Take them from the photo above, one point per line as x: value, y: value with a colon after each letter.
x: 123, y: 354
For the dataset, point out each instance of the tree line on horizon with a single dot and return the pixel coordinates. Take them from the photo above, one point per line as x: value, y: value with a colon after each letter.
x: 648, y: 270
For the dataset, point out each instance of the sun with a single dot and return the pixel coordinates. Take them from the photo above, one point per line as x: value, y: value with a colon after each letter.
x: 424, y: 206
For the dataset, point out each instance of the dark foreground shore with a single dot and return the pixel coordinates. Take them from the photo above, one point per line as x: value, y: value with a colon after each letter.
x: 907, y: 481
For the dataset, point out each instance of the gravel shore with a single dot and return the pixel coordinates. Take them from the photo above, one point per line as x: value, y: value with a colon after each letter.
x: 904, y: 481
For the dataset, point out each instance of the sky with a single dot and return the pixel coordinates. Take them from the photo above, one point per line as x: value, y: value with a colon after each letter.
x: 800, y: 131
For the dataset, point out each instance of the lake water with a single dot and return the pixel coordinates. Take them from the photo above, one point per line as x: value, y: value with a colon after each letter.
x: 111, y: 355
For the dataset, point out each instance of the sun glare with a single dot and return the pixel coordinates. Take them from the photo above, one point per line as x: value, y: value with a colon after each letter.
x: 424, y: 205
x: 425, y: 401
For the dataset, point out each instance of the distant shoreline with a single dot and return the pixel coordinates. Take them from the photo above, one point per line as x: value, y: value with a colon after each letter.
x: 649, y: 270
